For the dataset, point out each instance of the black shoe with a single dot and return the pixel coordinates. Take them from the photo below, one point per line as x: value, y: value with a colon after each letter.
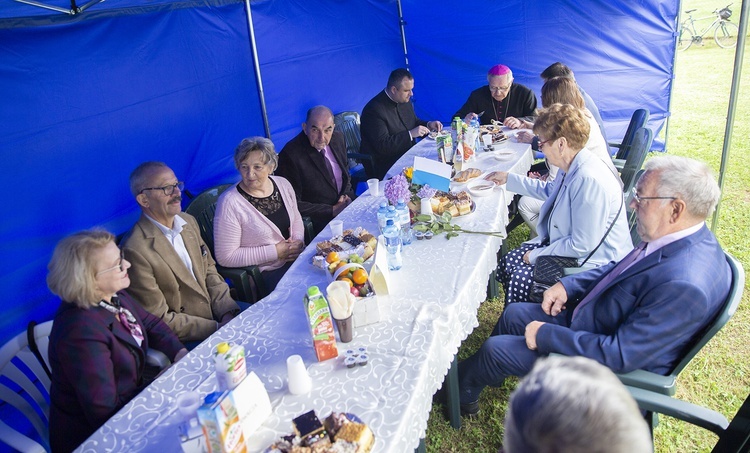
x: 470, y: 410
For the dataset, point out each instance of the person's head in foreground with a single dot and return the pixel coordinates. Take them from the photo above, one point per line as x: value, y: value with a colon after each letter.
x: 573, y: 405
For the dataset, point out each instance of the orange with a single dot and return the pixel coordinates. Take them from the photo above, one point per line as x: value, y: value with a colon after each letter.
x: 341, y: 263
x: 332, y: 257
x: 344, y: 279
x: 359, y: 276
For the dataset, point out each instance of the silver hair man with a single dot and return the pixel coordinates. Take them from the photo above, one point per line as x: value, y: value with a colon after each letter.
x: 573, y: 405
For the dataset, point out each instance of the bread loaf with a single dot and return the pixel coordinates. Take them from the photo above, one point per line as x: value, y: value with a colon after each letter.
x: 465, y: 175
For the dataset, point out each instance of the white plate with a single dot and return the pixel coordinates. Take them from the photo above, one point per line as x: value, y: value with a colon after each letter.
x: 480, y: 187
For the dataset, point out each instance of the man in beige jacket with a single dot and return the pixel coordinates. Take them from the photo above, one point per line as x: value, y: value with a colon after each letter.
x: 173, y: 274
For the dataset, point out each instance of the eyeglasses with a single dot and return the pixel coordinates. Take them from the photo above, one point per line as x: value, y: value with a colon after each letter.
x: 541, y: 142
x: 168, y: 189
x: 638, y: 199
x: 119, y: 265
x: 499, y: 89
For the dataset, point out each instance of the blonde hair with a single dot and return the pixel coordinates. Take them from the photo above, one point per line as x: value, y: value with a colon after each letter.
x: 72, y: 272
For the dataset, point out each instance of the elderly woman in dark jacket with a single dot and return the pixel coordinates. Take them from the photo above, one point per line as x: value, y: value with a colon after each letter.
x: 99, y: 339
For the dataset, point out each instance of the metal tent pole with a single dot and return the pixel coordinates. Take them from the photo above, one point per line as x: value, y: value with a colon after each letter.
x: 256, y: 66
x: 401, y: 23
x: 733, y: 93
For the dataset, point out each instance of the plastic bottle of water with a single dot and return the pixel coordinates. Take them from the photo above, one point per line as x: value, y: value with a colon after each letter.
x: 393, y: 245
x: 382, y: 211
x: 477, y: 140
x: 391, y: 214
x: 405, y: 220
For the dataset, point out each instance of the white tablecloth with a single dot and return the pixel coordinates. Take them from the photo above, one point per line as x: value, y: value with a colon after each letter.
x: 430, y: 310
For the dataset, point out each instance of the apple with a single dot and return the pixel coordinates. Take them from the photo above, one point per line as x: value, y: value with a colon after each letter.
x: 354, y: 291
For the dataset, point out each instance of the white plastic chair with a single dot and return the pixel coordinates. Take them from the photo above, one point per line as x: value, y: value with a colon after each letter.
x: 34, y: 402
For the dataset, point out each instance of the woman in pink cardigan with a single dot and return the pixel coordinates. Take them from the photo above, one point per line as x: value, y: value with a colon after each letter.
x: 257, y: 222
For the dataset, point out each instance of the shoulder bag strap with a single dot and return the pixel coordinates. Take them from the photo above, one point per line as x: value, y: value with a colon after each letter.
x: 622, y: 202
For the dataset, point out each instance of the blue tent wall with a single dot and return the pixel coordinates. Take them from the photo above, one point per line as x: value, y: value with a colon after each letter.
x: 337, y: 53
x: 624, y: 65
x: 85, y: 99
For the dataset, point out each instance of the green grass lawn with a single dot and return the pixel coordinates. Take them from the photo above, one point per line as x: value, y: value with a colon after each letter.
x: 718, y: 377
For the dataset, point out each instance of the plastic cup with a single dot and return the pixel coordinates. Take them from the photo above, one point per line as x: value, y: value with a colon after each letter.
x: 298, y: 379
x: 487, y: 140
x: 425, y: 206
x: 188, y: 404
x: 345, y: 328
x: 337, y: 227
x: 373, y: 185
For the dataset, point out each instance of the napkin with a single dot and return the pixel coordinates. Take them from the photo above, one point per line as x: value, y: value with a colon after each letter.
x: 340, y: 299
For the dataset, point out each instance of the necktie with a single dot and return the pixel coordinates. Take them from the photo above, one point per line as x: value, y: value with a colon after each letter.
x: 621, y: 267
x: 331, y: 177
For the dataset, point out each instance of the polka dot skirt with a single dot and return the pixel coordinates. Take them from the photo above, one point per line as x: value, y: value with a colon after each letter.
x: 515, y: 275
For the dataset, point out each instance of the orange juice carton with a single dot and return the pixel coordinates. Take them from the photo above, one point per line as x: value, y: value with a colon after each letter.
x: 321, y: 324
x: 221, y: 424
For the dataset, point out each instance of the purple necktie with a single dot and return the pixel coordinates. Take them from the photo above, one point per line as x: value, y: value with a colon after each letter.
x: 621, y: 267
x: 329, y: 167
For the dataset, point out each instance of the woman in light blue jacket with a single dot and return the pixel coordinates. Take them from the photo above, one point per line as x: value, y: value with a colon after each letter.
x: 579, y: 205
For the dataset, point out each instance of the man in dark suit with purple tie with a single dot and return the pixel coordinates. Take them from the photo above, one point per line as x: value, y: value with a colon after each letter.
x: 639, y: 313
x: 315, y: 163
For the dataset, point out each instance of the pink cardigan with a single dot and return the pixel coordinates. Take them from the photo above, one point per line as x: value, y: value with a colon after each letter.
x: 244, y: 237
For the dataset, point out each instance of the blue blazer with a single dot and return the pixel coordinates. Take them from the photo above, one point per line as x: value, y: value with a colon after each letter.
x: 579, y: 207
x: 647, y: 316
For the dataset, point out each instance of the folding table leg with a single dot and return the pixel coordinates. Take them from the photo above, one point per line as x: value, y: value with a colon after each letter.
x: 451, y: 392
x: 421, y: 448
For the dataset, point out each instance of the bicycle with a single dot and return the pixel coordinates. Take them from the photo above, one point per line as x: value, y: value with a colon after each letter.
x: 725, y: 33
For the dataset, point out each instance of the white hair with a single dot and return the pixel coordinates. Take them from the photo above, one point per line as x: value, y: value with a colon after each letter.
x: 573, y: 405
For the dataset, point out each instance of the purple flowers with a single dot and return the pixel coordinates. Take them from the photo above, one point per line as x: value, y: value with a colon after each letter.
x: 426, y: 192
x: 397, y: 188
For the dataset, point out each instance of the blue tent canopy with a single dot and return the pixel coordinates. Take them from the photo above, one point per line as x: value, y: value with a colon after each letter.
x: 88, y: 96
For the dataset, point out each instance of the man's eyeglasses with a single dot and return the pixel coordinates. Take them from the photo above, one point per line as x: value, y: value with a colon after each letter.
x: 499, y: 89
x: 119, y: 265
x: 168, y: 189
x: 638, y: 199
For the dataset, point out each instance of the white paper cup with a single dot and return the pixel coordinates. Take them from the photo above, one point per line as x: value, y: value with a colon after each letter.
x: 373, y: 185
x: 425, y: 206
x: 487, y: 140
x: 188, y: 404
x: 298, y: 379
x: 337, y: 227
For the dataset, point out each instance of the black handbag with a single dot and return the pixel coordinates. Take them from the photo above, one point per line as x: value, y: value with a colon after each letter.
x: 549, y: 269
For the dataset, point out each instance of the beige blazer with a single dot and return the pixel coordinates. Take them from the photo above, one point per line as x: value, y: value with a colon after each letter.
x: 160, y: 281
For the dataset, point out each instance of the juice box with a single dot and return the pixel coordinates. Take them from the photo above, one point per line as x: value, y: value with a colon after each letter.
x: 321, y: 325
x: 444, y: 148
x: 221, y: 424
x: 230, y: 365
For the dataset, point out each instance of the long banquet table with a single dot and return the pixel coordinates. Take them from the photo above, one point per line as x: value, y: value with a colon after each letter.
x: 430, y: 310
